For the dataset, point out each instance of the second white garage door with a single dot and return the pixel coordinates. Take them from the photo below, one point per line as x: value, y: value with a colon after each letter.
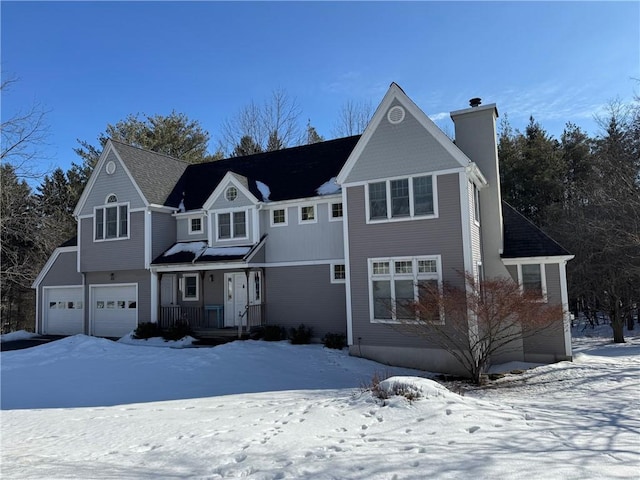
x: 114, y: 309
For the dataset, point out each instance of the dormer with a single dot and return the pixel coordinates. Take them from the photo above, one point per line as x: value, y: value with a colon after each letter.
x: 232, y: 213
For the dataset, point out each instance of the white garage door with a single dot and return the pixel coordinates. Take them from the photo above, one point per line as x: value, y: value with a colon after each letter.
x: 63, y: 311
x: 114, y: 309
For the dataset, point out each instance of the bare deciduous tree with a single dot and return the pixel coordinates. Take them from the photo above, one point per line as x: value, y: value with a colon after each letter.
x: 23, y: 136
x: 488, y: 318
x: 270, y: 126
x: 352, y: 119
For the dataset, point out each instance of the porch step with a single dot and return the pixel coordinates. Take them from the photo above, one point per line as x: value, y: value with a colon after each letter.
x: 227, y: 334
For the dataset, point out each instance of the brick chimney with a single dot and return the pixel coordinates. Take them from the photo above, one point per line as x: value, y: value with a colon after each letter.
x: 476, y: 136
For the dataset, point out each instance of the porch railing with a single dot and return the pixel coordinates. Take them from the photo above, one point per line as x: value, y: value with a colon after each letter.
x: 204, y: 318
x: 255, y: 315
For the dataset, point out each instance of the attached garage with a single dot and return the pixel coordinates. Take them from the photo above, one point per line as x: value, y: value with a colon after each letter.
x: 114, y: 309
x: 63, y: 310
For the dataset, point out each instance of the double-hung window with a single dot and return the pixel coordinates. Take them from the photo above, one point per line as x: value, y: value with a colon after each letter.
x: 232, y: 225
x: 401, y: 198
x: 532, y: 279
x: 190, y: 287
x: 398, y: 285
x: 195, y: 225
x: 111, y: 221
x: 279, y: 217
x: 307, y: 214
x: 335, y: 211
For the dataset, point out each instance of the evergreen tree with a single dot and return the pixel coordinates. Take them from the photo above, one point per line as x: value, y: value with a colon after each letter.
x: 312, y: 134
x: 174, y: 135
x: 247, y: 146
x: 532, y: 170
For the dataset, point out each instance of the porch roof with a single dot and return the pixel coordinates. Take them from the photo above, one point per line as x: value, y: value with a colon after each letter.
x: 199, y: 252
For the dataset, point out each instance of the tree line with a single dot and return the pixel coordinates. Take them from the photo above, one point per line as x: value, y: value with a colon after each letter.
x: 583, y: 190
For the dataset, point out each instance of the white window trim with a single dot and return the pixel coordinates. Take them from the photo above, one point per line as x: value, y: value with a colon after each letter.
x: 183, y: 287
x: 231, y: 212
x: 476, y: 204
x: 391, y: 277
x: 104, y: 221
x: 411, y: 216
x: 331, y: 217
x: 332, y: 272
x: 543, y: 279
x: 286, y: 217
x: 315, y: 214
x: 191, y: 230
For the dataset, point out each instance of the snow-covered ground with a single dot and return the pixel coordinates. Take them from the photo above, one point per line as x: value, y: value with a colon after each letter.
x: 19, y: 335
x: 90, y: 408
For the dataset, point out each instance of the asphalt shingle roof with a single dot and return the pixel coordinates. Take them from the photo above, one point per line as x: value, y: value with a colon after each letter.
x: 290, y: 173
x: 155, y: 173
x: 524, y: 239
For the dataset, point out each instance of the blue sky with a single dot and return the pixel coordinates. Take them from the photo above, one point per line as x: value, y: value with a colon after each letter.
x: 93, y: 63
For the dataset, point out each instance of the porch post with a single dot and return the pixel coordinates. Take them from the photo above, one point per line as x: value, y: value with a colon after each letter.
x: 154, y: 297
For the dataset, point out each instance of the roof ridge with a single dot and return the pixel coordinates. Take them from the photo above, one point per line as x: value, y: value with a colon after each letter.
x: 287, y: 149
x: 169, y: 157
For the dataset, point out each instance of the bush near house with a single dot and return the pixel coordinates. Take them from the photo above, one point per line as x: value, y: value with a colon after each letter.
x: 147, y: 330
x: 274, y: 333
x: 300, y: 335
x: 335, y: 340
x: 177, y: 331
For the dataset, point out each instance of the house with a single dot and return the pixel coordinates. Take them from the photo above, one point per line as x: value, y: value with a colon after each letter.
x: 320, y: 234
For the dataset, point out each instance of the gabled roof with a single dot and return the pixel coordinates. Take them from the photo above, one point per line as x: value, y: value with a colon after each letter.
x: 396, y: 94
x: 155, y: 173
x: 524, y: 239
x: 290, y: 173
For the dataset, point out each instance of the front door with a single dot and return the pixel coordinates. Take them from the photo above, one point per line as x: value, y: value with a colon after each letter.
x: 168, y: 290
x: 235, y: 299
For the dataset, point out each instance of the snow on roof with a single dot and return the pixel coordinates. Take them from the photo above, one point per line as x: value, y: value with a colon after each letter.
x: 225, y: 251
x: 190, y: 247
x: 264, y: 190
x: 329, y: 187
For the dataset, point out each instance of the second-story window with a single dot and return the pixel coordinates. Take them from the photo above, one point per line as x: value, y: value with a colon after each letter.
x: 232, y: 225
x: 279, y: 216
x: 401, y: 198
x: 336, y: 212
x: 195, y: 225
x: 308, y: 214
x: 112, y: 220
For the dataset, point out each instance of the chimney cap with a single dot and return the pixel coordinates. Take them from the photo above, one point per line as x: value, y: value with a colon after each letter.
x: 475, y: 102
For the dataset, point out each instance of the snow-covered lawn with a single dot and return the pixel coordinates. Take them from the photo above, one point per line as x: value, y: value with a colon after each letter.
x: 19, y: 335
x: 90, y: 408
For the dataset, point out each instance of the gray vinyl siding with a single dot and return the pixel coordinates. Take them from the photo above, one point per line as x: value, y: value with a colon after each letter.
x: 63, y: 271
x: 552, y: 276
x: 141, y: 277
x: 513, y: 271
x: 163, y: 233
x: 322, y: 240
x: 182, y: 229
x: 119, y: 183
x: 112, y: 255
x: 550, y: 341
x: 402, y: 149
x: 305, y: 294
x: 222, y: 203
x: 438, y: 236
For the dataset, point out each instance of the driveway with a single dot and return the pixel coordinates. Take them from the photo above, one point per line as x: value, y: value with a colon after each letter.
x: 31, y: 342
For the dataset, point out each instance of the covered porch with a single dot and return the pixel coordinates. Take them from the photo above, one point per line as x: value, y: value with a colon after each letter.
x: 217, y: 292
